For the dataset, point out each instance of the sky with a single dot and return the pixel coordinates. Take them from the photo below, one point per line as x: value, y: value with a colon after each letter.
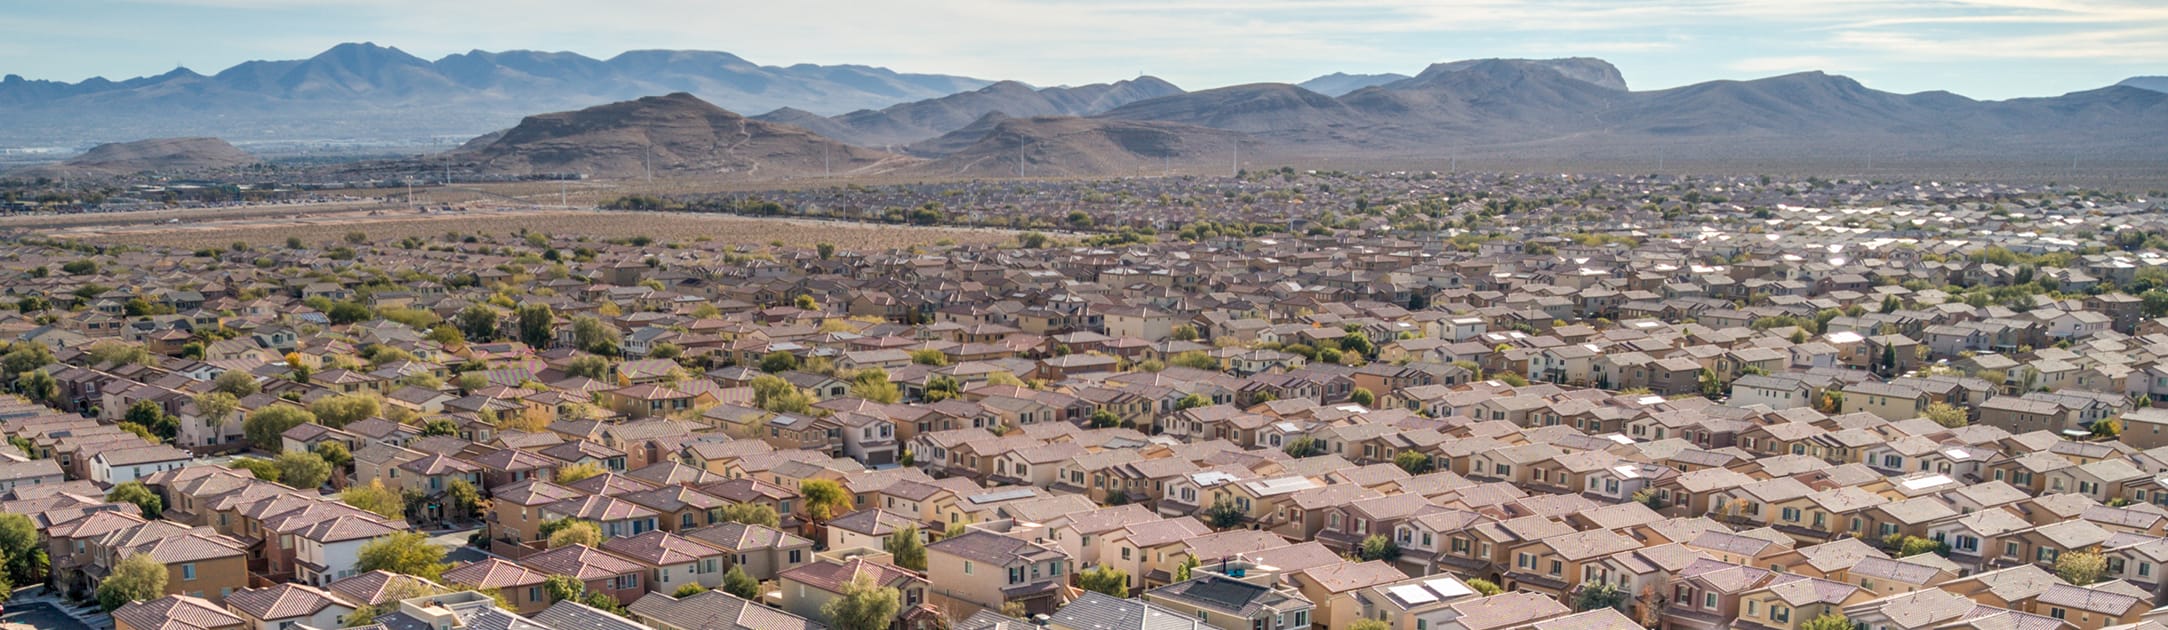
x: 1991, y: 49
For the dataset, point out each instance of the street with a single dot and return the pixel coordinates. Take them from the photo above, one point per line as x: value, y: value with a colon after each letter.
x: 38, y: 615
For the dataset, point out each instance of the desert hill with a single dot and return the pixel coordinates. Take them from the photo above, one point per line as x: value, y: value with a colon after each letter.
x: 1054, y: 146
x: 163, y: 155
x: 907, y: 123
x: 675, y: 134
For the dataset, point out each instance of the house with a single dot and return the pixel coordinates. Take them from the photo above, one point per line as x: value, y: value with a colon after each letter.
x: 282, y: 606
x: 714, y: 610
x: 763, y: 551
x: 673, y: 561
x: 612, y: 576
x: 177, y: 611
x: 981, y: 569
x: 1231, y: 604
x: 808, y: 587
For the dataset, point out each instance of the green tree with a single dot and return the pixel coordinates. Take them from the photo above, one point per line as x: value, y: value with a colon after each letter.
x: 1224, y: 514
x: 1378, y: 547
x: 142, y: 496
x: 1104, y: 579
x: 942, y: 387
x: 929, y: 356
x: 147, y: 413
x: 575, y: 532
x: 1102, y: 419
x: 23, y: 552
x: 466, y: 501
x: 343, y: 409
x: 334, y: 453
x: 439, y: 426
x: 408, y: 552
x: 592, y: 336
x: 1415, y: 462
x: 736, y: 582
x: 1369, y: 624
x: 1828, y: 621
x: 266, y: 427
x: 135, y: 578
x: 1947, y: 415
x: 824, y: 499
x: 2107, y: 428
x: 778, y: 361
x: 1304, y: 446
x: 1191, y: 401
x: 1486, y: 587
x: 2080, y: 567
x: 570, y: 473
x: 537, y: 324
x: 40, y: 386
x: 564, y: 588
x: 1599, y: 594
x: 375, y: 497
x: 689, y: 590
x: 236, y: 383
x: 751, y: 514
x: 589, y: 366
x: 302, y: 470
x: 216, y: 406
x: 864, y: 605
x: 873, y: 384
x: 1363, y: 397
x: 909, y: 552
x: 476, y: 322
x: 772, y: 393
x: 261, y: 468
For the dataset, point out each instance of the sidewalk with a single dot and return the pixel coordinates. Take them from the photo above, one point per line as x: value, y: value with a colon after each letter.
x: 88, y: 614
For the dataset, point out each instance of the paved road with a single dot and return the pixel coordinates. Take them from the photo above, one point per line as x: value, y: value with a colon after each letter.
x: 41, y: 616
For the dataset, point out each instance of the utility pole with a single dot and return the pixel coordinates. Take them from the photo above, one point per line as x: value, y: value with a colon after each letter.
x: 561, y: 202
x: 649, y: 166
x: 1235, y: 170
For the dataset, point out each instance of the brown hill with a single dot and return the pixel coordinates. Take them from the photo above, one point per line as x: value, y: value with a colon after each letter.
x: 918, y: 121
x: 677, y: 134
x: 164, y: 155
x: 1054, y: 146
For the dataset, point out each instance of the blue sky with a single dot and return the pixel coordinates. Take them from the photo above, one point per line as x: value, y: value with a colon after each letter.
x: 1980, y: 48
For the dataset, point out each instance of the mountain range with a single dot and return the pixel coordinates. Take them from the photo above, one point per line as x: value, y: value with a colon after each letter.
x: 366, y: 92
x: 1572, y: 112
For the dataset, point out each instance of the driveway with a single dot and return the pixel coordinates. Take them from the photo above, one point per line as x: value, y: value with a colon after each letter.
x: 455, y: 545
x: 39, y: 615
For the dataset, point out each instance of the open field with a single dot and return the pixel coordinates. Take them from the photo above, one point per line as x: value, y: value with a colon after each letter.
x: 393, y: 225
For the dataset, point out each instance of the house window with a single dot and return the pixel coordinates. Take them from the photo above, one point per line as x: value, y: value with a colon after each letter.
x: 188, y: 571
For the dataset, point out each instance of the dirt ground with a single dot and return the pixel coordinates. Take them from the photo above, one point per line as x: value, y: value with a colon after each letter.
x: 387, y: 225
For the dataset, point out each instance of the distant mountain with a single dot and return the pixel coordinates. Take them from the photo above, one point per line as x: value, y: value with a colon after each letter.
x: 1340, y: 83
x: 1579, y: 109
x: 1085, y: 147
x: 2157, y: 84
x: 907, y: 123
x: 162, y: 155
x: 368, y: 91
x: 675, y: 135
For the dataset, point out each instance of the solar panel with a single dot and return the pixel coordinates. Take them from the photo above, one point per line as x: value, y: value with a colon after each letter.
x: 997, y: 497
x: 1448, y: 588
x: 1227, y: 594
x: 1412, y: 594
